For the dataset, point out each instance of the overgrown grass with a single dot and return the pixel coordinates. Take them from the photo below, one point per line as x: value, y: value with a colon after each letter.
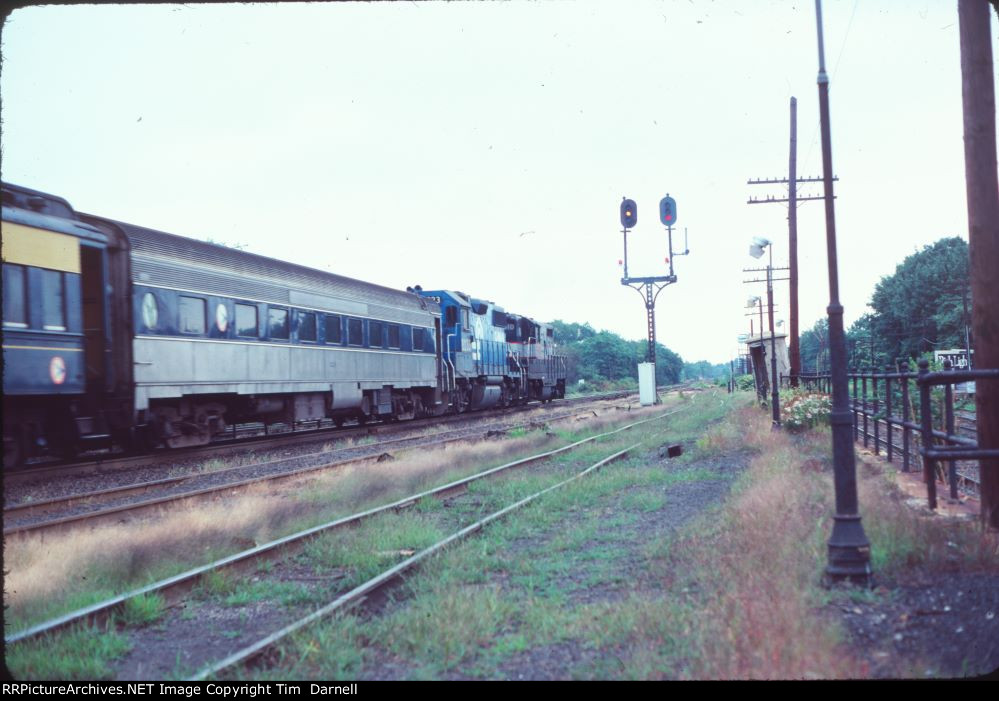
x: 142, y: 610
x: 81, y: 654
x: 903, y: 537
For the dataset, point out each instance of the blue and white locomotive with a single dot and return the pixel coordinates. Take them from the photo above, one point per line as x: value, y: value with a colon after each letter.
x: 115, y: 333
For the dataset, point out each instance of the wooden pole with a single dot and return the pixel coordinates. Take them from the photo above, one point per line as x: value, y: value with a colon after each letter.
x: 978, y: 90
x: 792, y: 243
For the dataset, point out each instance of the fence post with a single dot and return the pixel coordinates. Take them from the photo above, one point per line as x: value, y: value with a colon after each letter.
x: 888, y: 429
x: 906, y: 431
x: 863, y: 401
x: 877, y: 405
x: 856, y: 417
x: 926, y: 422
x: 949, y: 418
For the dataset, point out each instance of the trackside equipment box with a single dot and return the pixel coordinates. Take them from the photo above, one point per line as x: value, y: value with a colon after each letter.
x: 647, y: 383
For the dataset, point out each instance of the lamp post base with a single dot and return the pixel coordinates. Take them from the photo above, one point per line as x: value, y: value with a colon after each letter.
x: 849, y: 553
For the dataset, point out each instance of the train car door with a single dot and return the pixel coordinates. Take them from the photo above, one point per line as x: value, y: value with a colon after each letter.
x: 96, y: 350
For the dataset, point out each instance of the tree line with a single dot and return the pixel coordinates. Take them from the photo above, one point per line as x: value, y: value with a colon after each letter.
x: 604, y: 360
x: 925, y: 305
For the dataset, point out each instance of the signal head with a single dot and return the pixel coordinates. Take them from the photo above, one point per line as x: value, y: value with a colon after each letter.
x: 667, y: 211
x: 629, y: 213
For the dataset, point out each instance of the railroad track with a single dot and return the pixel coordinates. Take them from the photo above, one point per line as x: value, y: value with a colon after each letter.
x: 89, y: 508
x: 278, y: 437
x: 174, y: 589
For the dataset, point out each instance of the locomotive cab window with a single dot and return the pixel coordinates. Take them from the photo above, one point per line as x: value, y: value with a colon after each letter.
x: 334, y: 332
x: 451, y: 316
x: 15, y: 301
x: 246, y: 321
x: 53, y: 300
x: 306, y: 326
x: 192, y: 315
x: 277, y: 324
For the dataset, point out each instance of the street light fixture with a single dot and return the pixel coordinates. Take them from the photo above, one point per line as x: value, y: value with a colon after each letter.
x: 757, y: 246
x: 756, y: 249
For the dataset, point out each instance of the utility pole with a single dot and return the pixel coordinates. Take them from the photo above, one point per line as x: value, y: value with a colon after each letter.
x: 794, y: 348
x: 978, y: 91
x: 792, y: 245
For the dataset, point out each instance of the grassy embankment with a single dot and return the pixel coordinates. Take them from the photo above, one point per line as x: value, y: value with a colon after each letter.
x: 590, y: 584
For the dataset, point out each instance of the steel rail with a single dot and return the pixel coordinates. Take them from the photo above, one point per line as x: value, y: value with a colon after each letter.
x: 100, y: 612
x: 355, y: 595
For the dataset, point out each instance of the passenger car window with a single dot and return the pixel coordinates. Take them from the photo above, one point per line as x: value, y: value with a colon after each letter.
x: 277, y: 323
x: 306, y: 326
x: 192, y: 315
x: 375, y: 334
x: 15, y: 302
x: 334, y: 333
x: 53, y: 300
x: 246, y: 321
x: 393, y: 336
x: 355, y: 332
x: 418, y: 339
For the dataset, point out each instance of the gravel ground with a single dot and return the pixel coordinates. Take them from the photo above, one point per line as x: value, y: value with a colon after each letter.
x: 944, y: 625
x: 206, y: 628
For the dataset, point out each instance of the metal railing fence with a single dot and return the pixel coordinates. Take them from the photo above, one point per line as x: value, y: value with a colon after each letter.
x: 877, y: 397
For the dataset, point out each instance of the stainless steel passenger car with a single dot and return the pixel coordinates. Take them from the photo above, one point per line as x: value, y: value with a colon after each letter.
x: 221, y: 336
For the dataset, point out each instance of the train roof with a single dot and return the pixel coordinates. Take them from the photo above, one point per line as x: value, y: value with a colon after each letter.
x: 178, y: 261
x: 36, y: 201
x: 22, y: 205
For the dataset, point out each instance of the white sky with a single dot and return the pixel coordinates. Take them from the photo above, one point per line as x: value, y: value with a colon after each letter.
x: 486, y: 147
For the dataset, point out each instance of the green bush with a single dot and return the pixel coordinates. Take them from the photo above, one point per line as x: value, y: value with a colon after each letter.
x: 745, y: 383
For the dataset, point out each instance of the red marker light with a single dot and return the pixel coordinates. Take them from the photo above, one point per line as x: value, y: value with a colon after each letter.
x: 619, y: 261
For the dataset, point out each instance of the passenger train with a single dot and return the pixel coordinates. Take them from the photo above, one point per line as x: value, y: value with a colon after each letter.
x: 118, y: 334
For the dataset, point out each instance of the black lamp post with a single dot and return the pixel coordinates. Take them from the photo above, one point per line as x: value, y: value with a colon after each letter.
x: 849, y: 556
